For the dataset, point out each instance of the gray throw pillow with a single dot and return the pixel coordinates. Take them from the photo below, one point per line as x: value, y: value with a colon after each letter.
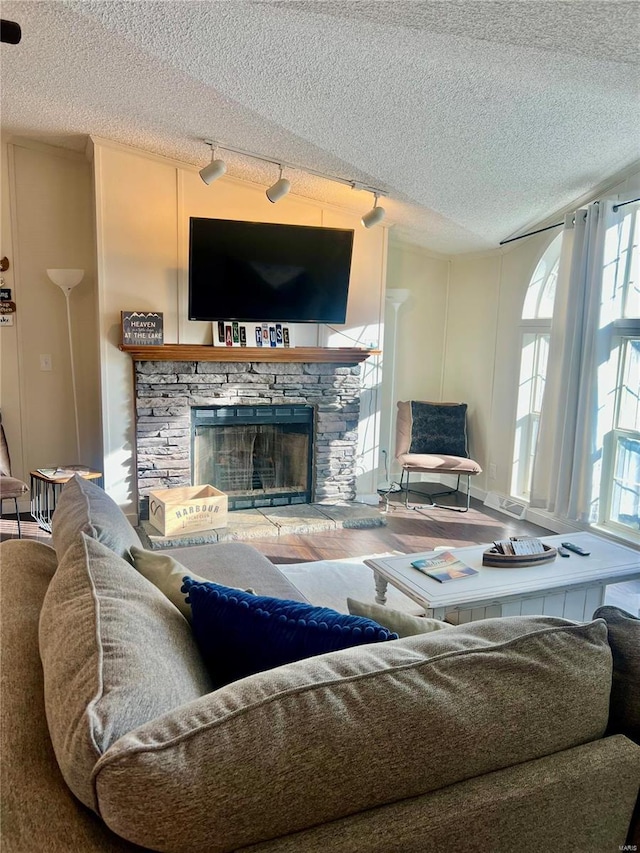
x: 115, y: 654
x: 403, y: 624
x: 84, y: 507
x: 623, y: 632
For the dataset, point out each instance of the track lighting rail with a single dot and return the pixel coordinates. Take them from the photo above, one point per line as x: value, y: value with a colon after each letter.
x: 217, y: 168
x: 284, y: 164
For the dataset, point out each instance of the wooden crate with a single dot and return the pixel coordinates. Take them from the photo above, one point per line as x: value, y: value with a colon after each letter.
x: 187, y: 509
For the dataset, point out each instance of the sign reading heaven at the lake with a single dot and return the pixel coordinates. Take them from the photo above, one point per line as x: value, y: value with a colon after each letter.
x: 141, y: 328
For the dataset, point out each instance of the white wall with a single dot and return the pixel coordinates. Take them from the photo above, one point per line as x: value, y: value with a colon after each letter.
x: 47, y: 222
x: 414, y: 366
x: 143, y: 205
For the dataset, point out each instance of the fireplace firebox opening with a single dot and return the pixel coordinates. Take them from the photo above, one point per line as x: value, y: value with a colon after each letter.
x: 259, y: 456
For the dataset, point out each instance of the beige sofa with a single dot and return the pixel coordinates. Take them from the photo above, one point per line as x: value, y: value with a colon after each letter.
x: 486, y: 737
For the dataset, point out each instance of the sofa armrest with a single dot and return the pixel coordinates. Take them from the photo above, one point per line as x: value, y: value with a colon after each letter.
x: 341, y: 733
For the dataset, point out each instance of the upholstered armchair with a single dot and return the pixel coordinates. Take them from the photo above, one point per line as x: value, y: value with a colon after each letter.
x: 10, y: 487
x: 431, y: 438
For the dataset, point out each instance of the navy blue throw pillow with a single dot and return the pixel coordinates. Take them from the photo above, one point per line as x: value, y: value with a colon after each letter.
x: 439, y: 429
x: 239, y: 634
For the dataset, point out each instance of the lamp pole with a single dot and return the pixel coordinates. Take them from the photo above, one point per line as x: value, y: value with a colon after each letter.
x: 66, y: 281
x: 395, y: 298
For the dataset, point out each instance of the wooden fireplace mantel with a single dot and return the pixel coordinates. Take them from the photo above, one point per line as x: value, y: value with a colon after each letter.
x: 200, y: 352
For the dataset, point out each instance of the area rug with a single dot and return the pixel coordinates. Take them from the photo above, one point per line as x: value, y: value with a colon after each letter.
x: 328, y: 583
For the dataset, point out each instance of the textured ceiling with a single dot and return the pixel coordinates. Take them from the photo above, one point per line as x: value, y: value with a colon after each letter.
x: 478, y: 118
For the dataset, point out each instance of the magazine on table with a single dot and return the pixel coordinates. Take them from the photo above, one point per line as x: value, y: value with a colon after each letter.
x: 63, y: 471
x: 444, y: 567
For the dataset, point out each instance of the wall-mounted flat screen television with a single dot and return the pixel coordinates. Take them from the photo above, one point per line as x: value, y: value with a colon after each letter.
x: 255, y: 271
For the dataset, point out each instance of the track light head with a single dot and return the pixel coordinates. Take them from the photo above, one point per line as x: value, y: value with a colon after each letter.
x: 279, y: 189
x: 375, y: 215
x: 214, y: 170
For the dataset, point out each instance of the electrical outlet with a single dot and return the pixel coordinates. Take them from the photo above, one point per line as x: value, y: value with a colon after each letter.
x: 45, y: 362
x: 493, y: 471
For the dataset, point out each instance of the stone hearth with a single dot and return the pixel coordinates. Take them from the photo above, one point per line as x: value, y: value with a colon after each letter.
x: 273, y: 521
x: 165, y: 392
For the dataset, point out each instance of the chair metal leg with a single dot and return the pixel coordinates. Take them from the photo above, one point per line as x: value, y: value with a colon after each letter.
x: 430, y: 497
x: 15, y: 500
x: 453, y: 492
x: 406, y: 494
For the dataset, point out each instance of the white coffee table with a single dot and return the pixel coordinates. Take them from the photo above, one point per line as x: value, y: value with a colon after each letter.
x: 571, y: 587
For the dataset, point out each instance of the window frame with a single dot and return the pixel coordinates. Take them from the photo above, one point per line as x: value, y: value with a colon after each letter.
x: 622, y: 333
x: 545, y: 270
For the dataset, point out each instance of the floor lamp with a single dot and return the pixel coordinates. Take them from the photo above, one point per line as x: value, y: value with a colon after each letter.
x: 395, y: 298
x: 66, y: 281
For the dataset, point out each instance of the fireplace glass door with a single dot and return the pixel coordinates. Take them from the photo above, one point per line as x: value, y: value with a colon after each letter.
x: 257, y: 455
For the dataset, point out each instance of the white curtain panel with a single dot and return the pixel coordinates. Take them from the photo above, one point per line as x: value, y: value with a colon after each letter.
x: 567, y: 453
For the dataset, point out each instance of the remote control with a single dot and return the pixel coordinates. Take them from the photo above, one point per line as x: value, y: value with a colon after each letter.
x: 563, y: 551
x: 576, y: 549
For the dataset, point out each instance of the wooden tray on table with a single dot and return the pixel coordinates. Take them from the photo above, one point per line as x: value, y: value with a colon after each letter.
x: 492, y: 557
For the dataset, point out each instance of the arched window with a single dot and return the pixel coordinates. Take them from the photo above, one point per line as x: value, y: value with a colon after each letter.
x: 535, y: 331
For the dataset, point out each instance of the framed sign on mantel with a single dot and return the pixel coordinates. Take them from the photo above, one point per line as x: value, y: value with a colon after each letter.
x: 231, y: 333
x: 142, y: 328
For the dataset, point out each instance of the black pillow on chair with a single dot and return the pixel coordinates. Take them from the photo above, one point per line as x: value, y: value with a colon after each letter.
x: 439, y: 429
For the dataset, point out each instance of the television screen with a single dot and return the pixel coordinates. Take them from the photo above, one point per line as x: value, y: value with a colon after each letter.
x: 254, y: 271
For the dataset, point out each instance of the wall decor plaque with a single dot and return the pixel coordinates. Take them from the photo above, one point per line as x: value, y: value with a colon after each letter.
x: 142, y: 328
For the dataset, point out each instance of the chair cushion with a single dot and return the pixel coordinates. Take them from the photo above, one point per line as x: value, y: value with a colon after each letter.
x: 84, y: 507
x: 5, y: 458
x: 10, y: 487
x: 438, y: 428
x: 239, y: 634
x: 341, y: 733
x: 441, y: 464
x: 115, y: 654
x: 624, y: 638
x: 403, y: 624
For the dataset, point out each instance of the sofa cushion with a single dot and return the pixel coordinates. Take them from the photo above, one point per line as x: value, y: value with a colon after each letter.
x: 239, y: 634
x: 167, y: 574
x: 624, y: 638
x: 84, y: 507
x: 403, y: 624
x: 115, y: 654
x: 340, y: 733
x: 236, y: 564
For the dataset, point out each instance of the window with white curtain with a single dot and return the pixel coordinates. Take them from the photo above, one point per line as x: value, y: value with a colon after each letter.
x: 580, y: 459
x: 535, y: 330
x: 616, y: 495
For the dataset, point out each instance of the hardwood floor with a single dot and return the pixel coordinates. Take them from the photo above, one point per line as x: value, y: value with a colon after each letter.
x: 30, y: 529
x: 407, y: 531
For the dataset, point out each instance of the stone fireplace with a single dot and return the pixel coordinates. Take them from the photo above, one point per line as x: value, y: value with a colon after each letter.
x: 169, y: 394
